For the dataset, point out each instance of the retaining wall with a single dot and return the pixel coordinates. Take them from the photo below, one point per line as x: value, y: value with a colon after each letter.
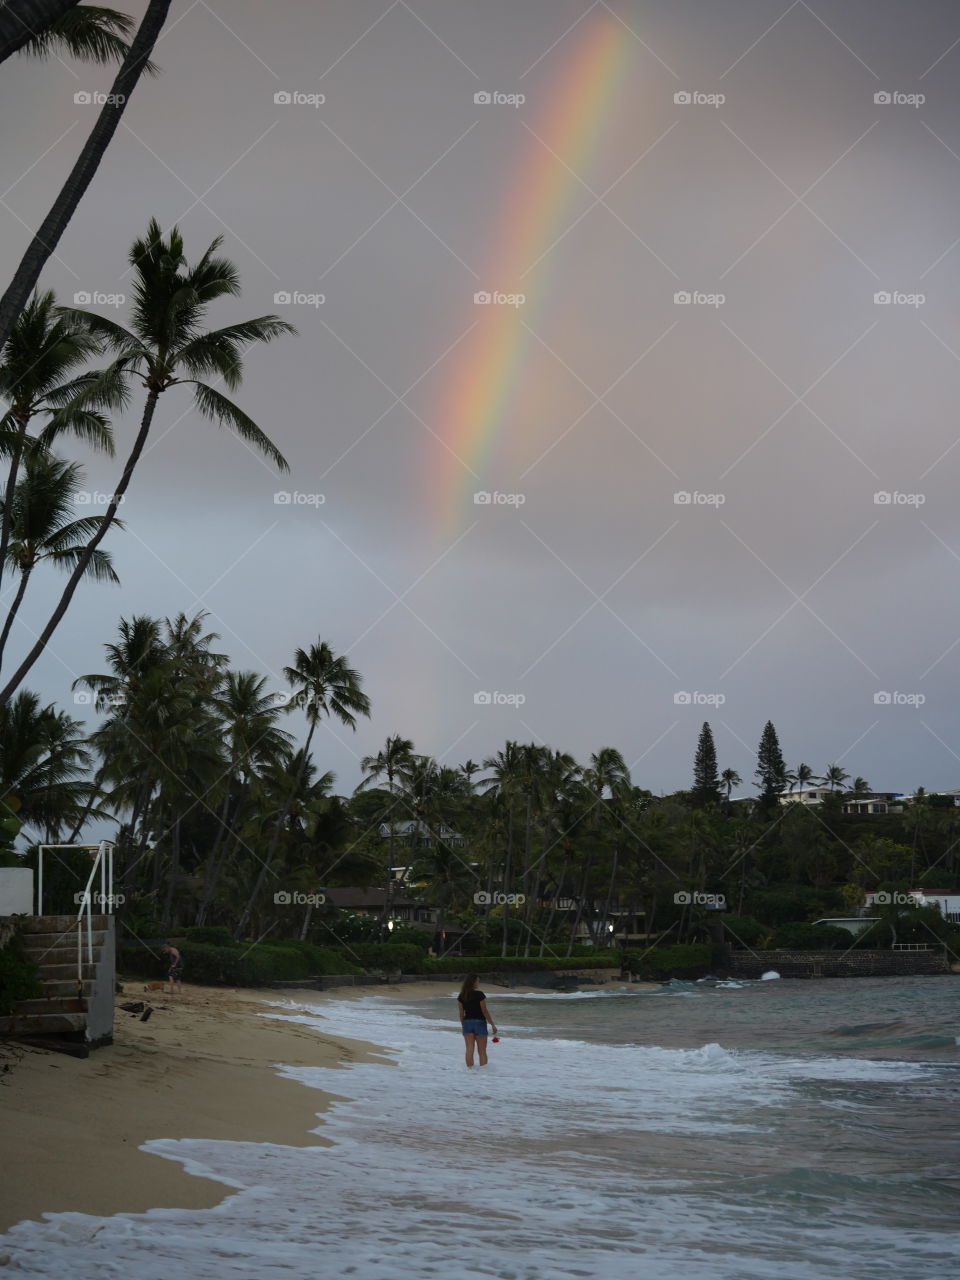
x: 837, y: 964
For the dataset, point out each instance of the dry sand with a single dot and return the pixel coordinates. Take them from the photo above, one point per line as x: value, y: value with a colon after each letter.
x: 203, y: 1067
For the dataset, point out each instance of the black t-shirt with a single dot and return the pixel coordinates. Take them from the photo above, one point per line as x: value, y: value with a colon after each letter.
x: 471, y: 1005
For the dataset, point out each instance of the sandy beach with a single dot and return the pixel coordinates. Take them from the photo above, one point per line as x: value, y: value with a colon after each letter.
x: 201, y: 1067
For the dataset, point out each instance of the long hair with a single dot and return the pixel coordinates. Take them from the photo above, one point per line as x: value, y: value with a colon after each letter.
x: 469, y: 984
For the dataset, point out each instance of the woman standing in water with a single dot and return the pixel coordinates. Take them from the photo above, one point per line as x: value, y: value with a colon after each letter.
x: 474, y: 1016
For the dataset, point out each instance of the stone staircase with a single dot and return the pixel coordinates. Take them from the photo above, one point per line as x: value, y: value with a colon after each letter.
x: 78, y: 1007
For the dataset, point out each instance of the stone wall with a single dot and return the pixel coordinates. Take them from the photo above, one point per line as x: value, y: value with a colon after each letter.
x: 837, y: 964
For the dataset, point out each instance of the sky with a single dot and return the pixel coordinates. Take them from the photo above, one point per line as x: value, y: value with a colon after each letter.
x: 712, y: 399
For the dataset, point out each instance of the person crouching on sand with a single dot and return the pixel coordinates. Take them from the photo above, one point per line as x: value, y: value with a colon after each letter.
x: 474, y: 1016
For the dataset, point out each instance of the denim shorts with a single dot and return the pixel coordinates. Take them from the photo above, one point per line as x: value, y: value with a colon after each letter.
x: 474, y: 1027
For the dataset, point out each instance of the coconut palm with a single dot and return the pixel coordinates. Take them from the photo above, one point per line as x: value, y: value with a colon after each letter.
x: 168, y: 347
x: 39, y: 379
x: 803, y: 774
x: 859, y: 787
x: 24, y: 20
x: 41, y: 527
x: 43, y: 761
x: 729, y: 779
x: 324, y: 685
x: 86, y: 32
x: 835, y: 777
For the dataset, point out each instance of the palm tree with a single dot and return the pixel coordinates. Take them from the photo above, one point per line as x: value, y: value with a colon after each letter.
x: 834, y: 777
x: 167, y: 347
x: 86, y: 32
x: 20, y: 22
x: 41, y: 527
x: 730, y: 779
x: 803, y: 774
x: 860, y: 787
x: 43, y: 761
x: 39, y: 379
x: 325, y: 686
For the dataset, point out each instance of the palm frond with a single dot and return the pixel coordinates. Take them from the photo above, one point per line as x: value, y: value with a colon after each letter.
x: 219, y: 409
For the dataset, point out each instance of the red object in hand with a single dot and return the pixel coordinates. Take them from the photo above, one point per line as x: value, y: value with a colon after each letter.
x: 496, y: 1039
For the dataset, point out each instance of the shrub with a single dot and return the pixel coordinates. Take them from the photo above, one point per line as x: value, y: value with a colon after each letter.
x: 677, y: 961
x: 240, y: 965
x: 18, y: 975
x: 218, y: 934
x: 801, y: 936
x: 742, y: 930
x: 387, y: 955
x: 519, y: 964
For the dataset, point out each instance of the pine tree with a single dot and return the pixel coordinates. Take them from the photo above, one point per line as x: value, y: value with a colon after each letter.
x: 771, y: 770
x: 706, y: 778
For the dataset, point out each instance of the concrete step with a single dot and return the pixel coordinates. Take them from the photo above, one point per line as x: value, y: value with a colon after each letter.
x: 59, y: 924
x: 41, y: 1024
x: 66, y: 937
x: 51, y: 1004
x: 67, y: 987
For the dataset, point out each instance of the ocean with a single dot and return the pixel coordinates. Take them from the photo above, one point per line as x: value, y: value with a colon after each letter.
x: 719, y: 1130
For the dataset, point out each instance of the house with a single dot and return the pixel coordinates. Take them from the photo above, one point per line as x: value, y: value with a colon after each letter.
x: 392, y: 901
x: 875, y: 802
x: 417, y: 834
x: 853, y: 924
x: 948, y: 903
x: 805, y: 795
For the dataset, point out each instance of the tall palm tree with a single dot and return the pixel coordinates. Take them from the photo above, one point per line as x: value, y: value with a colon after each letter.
x: 43, y: 761
x: 860, y: 787
x: 41, y: 527
x: 37, y: 16
x: 803, y: 774
x: 167, y: 347
x: 39, y: 379
x: 835, y: 777
x: 87, y: 32
x: 324, y: 685
x: 730, y: 779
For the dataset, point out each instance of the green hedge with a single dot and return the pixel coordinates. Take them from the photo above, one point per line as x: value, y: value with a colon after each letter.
x: 239, y: 965
x: 519, y: 964
x: 18, y: 975
x: 677, y: 961
x: 801, y: 936
x: 386, y: 955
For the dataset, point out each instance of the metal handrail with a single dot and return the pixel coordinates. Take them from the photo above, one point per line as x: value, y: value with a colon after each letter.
x: 102, y: 862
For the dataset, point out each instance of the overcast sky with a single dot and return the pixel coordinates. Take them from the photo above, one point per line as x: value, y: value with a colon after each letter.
x: 782, y: 588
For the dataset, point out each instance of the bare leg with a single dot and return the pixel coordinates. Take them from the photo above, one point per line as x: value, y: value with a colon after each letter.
x: 468, y: 1042
x: 482, y: 1046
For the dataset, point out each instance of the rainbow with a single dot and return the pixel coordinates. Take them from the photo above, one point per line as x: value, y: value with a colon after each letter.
x: 486, y: 370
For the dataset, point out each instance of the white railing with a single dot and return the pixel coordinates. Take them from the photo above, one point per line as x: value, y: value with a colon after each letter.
x: 102, y: 862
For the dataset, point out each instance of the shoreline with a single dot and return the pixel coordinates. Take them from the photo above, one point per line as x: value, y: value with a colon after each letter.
x: 203, y: 1066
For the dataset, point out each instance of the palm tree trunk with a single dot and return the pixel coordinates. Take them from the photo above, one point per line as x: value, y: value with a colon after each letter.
x: 211, y: 872
x: 17, y: 601
x: 80, y: 567
x: 576, y: 921
x: 81, y: 175
x: 506, y: 876
x: 15, y: 457
x: 21, y: 20
x: 172, y: 874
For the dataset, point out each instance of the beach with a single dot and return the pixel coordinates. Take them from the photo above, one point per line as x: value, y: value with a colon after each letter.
x: 202, y: 1066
